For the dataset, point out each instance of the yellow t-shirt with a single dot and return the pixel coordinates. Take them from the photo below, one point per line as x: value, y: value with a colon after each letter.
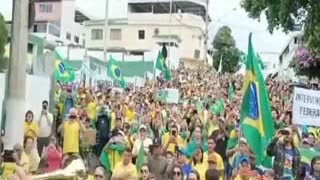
x: 92, y: 110
x: 71, y: 137
x: 121, y: 171
x: 129, y: 115
x: 165, y: 139
x: 31, y: 129
x: 201, y: 168
x: 8, y: 169
x: 113, y: 120
x: 25, y: 163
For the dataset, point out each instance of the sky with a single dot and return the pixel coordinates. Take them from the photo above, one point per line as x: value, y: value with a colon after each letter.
x: 223, y: 12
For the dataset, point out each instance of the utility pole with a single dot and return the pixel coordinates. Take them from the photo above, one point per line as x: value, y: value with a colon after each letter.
x: 206, y: 34
x: 169, y: 46
x: 16, y: 77
x: 105, y: 34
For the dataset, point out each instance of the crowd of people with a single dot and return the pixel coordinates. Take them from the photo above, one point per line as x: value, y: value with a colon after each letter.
x: 137, y: 136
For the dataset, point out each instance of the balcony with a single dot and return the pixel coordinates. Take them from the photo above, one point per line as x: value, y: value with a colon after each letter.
x: 46, y: 28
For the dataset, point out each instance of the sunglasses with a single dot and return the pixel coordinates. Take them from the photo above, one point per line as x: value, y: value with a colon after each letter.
x: 98, y: 176
x: 144, y: 171
x: 177, y: 173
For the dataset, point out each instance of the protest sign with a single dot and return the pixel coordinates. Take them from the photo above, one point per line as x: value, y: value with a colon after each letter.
x: 168, y: 95
x: 306, y: 107
x: 89, y: 137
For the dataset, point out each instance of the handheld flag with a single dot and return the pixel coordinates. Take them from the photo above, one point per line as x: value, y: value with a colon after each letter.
x: 231, y: 93
x: 162, y: 66
x: 256, y: 119
x: 140, y: 158
x: 115, y: 73
x: 220, y: 66
x: 63, y: 71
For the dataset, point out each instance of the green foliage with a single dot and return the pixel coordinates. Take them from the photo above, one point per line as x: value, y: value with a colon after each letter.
x: 286, y: 13
x: 3, y: 42
x: 225, y: 47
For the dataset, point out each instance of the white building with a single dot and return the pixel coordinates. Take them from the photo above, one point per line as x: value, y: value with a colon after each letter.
x: 148, y: 25
x: 59, y: 21
x: 286, y: 56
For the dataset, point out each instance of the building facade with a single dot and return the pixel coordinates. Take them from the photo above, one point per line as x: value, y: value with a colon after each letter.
x: 287, y: 55
x: 149, y: 25
x: 59, y: 21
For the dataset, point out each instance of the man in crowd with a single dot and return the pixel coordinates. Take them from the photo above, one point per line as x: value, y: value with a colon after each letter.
x: 287, y: 157
x: 45, y: 126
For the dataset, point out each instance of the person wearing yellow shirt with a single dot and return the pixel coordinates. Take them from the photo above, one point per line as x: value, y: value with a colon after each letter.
x: 71, y: 128
x: 31, y: 128
x: 92, y: 110
x: 125, y: 169
x: 198, y: 163
x: 212, y: 154
x: 130, y: 113
x: 32, y: 153
x: 22, y: 158
x: 171, y: 140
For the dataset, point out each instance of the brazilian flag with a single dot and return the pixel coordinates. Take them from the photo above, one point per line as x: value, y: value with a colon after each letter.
x: 256, y: 120
x: 63, y: 71
x: 162, y: 66
x: 115, y: 73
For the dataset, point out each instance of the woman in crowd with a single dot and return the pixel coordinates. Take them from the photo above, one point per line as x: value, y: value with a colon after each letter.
x: 194, y: 175
x: 31, y: 128
x: 315, y: 169
x: 145, y: 173
x: 177, y: 173
x: 53, y: 154
x: 198, y: 164
x: 32, y: 153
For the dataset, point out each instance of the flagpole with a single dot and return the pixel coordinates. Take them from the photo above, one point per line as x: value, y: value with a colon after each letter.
x: 106, y: 31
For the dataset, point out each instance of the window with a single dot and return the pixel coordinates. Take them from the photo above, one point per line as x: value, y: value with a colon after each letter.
x: 45, y: 8
x: 115, y: 34
x: 156, y: 31
x: 141, y: 34
x: 76, y: 39
x: 197, y: 54
x: 96, y: 34
x: 68, y: 36
x: 30, y: 48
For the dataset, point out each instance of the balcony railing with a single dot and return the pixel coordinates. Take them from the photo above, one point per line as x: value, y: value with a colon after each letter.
x: 47, y: 28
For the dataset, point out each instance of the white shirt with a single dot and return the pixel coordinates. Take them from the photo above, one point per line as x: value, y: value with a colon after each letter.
x: 137, y: 144
x: 45, y: 125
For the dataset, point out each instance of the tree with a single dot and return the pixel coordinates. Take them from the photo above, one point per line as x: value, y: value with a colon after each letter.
x: 3, y: 42
x: 225, y: 47
x: 286, y: 14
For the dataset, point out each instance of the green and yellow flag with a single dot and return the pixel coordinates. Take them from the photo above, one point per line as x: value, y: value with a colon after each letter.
x: 256, y: 120
x: 140, y: 158
x: 63, y: 71
x: 115, y: 73
x: 162, y: 66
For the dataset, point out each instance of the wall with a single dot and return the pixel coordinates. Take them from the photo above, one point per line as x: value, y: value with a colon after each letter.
x: 55, y: 15
x: 34, y: 95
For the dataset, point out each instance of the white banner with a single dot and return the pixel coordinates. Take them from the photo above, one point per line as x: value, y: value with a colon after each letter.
x: 168, y: 95
x: 306, y: 107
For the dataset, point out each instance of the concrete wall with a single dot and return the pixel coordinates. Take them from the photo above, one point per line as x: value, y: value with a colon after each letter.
x: 37, y: 90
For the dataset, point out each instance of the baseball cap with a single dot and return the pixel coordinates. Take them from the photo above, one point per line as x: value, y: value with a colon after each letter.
x: 142, y: 126
x: 212, y: 158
